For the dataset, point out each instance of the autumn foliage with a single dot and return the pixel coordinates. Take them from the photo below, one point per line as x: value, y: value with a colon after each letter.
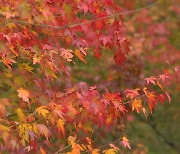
x: 39, y: 41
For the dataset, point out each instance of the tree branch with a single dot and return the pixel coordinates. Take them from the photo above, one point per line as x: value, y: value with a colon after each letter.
x: 158, y: 132
x: 78, y: 23
x: 60, y: 150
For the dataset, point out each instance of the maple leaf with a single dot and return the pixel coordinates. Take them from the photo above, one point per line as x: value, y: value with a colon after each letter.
x: 60, y: 126
x: 24, y: 94
x: 132, y: 93
x: 83, y: 51
x: 72, y: 140
x: 83, y: 7
x: 146, y: 92
x: 67, y: 54
x: 114, y: 147
x: 36, y: 59
x: 125, y: 142
x: 122, y: 108
x: 21, y: 115
x: 137, y: 104
x: 151, y: 101
x: 27, y: 67
x: 43, y: 130
x: 50, y: 72
x: 119, y: 106
x: 80, y: 56
x: 42, y: 111
x: 163, y: 77
x: 151, y: 80
x: 105, y: 39
x: 112, y: 97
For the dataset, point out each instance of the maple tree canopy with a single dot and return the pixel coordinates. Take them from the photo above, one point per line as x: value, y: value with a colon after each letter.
x: 39, y: 40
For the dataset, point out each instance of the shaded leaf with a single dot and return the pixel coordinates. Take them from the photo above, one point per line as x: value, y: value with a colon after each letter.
x: 43, y: 130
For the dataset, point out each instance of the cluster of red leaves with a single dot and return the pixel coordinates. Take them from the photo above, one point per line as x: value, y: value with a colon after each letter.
x: 27, y: 21
x: 80, y: 110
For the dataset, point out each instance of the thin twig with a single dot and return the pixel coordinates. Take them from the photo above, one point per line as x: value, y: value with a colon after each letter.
x: 78, y: 23
x: 60, y: 150
x: 100, y: 147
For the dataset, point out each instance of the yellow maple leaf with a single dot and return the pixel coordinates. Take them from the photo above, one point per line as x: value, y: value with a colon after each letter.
x: 21, y: 115
x: 42, y: 111
x: 24, y: 94
x: 27, y: 67
x: 72, y: 140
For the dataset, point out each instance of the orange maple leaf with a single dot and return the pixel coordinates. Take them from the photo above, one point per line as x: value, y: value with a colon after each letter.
x: 137, y: 104
x: 80, y: 56
x: 24, y: 94
x: 60, y: 126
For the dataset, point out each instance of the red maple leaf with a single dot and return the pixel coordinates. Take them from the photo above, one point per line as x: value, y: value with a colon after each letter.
x: 151, y: 80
